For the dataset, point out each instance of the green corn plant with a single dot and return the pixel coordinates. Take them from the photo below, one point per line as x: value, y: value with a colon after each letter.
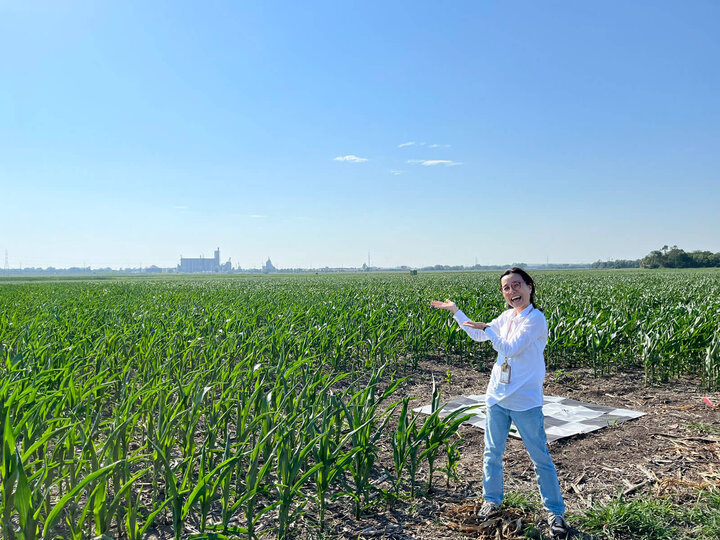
x: 711, y: 365
x: 291, y: 460
x: 132, y: 526
x: 255, y: 475
x: 105, y: 509
x: 436, y: 430
x: 28, y: 515
x: 414, y: 456
x: 361, y: 413
x: 329, y: 453
x: 205, y: 490
x: 176, y: 489
x: 9, y: 470
x: 77, y: 525
x: 245, y: 427
x: 651, y: 355
x: 250, y: 481
x: 55, y: 513
x: 453, y: 456
x: 403, y: 440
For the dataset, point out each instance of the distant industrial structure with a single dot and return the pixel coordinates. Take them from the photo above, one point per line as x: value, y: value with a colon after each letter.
x: 202, y: 265
x: 268, y: 267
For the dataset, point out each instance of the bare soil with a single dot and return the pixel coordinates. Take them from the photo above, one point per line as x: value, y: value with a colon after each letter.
x: 673, y: 450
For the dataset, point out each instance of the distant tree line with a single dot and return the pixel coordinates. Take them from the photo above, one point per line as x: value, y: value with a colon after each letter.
x: 618, y: 263
x: 666, y: 257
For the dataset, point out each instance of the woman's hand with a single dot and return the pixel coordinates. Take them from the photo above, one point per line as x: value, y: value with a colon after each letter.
x: 447, y: 304
x: 478, y: 325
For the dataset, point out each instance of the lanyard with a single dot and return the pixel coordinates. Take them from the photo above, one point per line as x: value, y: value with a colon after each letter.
x: 505, y: 367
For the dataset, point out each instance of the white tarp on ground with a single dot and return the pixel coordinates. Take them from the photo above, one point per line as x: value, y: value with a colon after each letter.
x: 563, y: 416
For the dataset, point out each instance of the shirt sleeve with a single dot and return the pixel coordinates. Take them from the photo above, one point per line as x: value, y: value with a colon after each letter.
x: 532, y: 330
x: 475, y: 333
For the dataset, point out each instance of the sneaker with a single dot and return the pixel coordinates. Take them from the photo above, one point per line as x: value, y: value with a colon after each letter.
x: 558, y: 525
x: 487, y: 509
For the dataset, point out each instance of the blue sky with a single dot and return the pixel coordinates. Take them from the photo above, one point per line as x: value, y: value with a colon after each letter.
x: 132, y: 133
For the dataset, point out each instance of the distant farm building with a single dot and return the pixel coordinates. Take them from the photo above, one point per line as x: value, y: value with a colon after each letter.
x: 196, y: 266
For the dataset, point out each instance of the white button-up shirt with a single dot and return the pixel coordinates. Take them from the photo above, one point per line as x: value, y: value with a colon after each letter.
x: 520, y: 339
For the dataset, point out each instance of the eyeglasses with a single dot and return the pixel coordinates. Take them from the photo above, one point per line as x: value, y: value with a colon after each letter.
x: 515, y: 285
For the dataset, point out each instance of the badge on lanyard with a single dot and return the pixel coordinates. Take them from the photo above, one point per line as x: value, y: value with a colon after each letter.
x: 505, y: 373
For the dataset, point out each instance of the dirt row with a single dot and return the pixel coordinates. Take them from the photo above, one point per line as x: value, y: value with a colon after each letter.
x: 673, y: 450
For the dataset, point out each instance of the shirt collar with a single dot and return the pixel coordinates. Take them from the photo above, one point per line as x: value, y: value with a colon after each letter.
x: 524, y: 313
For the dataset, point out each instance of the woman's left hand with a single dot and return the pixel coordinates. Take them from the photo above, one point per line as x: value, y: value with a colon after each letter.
x: 478, y: 325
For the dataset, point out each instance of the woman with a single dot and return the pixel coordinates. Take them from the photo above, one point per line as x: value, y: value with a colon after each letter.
x: 514, y: 393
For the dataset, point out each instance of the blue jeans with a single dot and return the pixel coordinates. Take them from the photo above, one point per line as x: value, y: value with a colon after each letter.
x: 531, y: 426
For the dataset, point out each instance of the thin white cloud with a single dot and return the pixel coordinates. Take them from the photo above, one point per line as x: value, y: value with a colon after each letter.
x: 433, y: 162
x: 257, y: 216
x: 446, y: 162
x: 413, y: 143
x: 180, y: 207
x: 350, y: 158
x: 396, y: 172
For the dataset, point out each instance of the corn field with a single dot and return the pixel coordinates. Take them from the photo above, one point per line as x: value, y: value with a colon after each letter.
x: 230, y: 407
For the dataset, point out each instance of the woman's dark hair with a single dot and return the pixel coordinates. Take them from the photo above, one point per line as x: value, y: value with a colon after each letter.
x: 527, y: 279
